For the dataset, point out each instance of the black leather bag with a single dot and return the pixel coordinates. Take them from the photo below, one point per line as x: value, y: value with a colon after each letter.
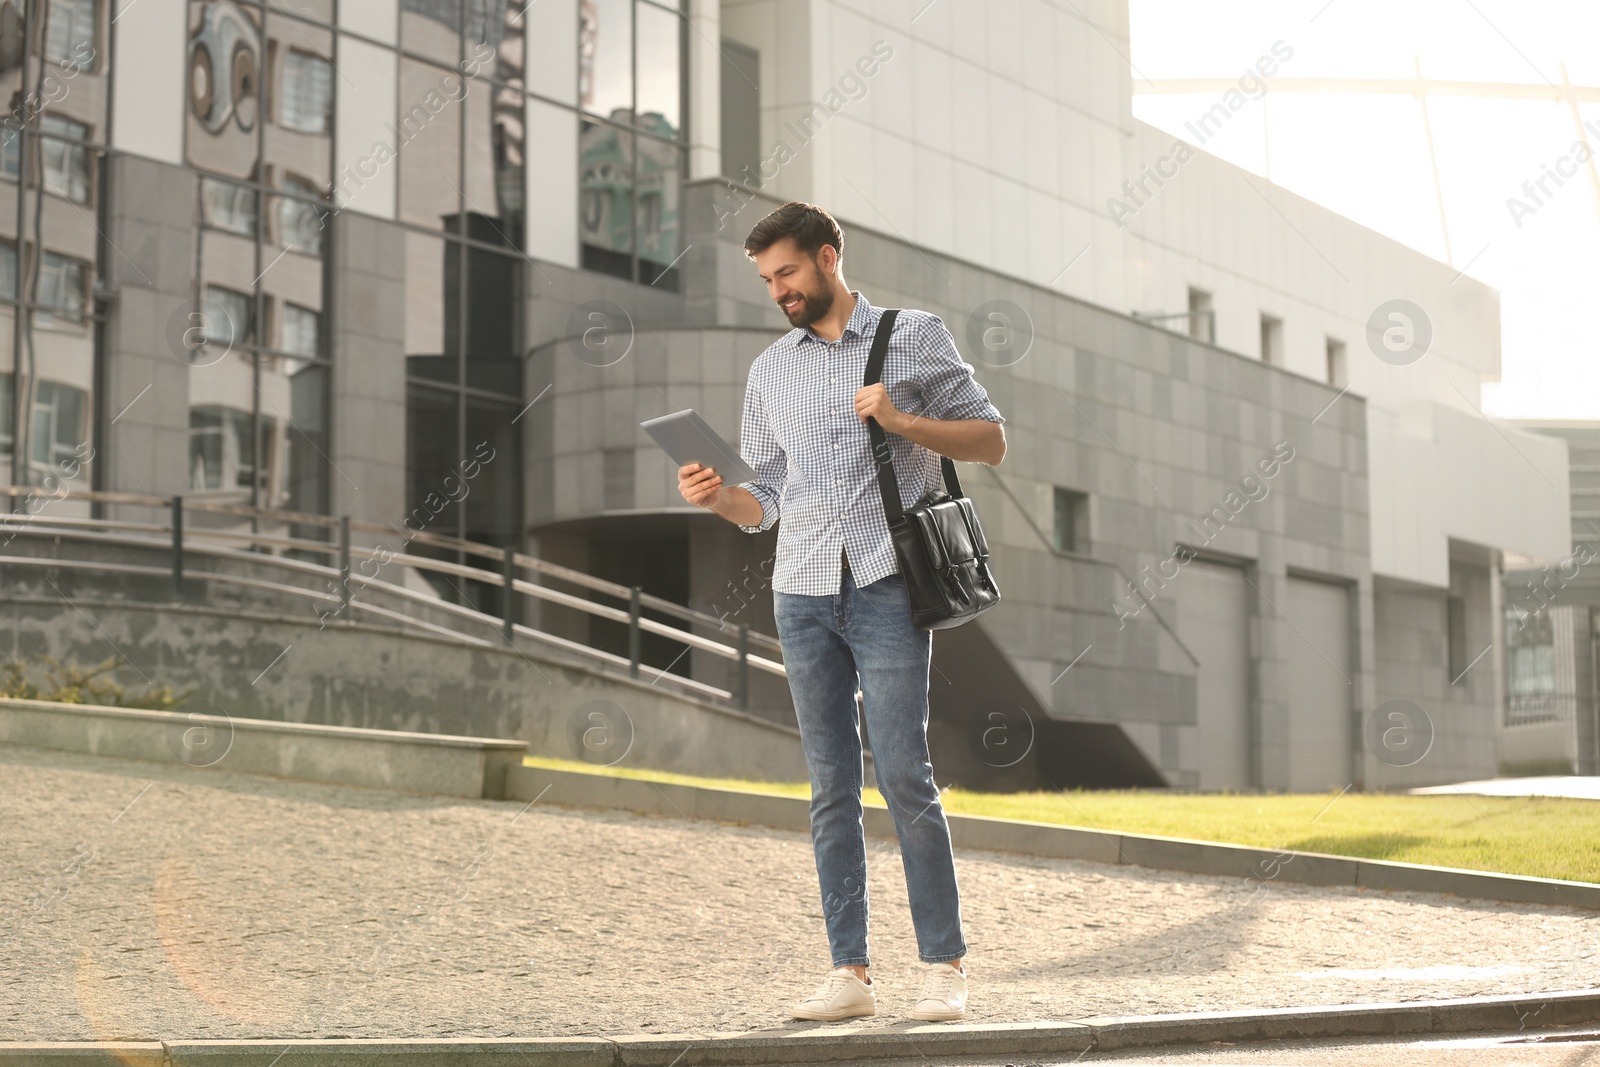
x: 938, y: 541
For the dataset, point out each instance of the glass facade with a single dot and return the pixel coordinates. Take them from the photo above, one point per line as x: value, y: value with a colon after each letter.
x: 630, y: 150
x: 259, y: 93
x: 53, y: 72
x: 460, y: 197
x: 259, y: 132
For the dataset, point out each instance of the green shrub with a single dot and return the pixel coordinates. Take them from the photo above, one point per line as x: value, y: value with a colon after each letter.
x: 68, y: 684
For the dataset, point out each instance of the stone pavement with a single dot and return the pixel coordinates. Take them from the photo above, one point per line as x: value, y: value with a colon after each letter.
x: 150, y: 901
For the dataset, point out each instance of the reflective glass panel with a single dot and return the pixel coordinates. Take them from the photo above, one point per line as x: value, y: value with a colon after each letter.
x: 494, y: 186
x: 431, y: 28
x: 299, y: 139
x: 659, y: 71
x: 294, y: 433
x: 65, y: 164
x: 495, y: 40
x: 224, y: 86
x: 660, y: 169
x: 605, y: 198
x: 70, y: 30
x: 431, y: 283
x: 306, y: 104
x: 605, y: 58
x: 494, y: 284
x: 430, y: 146
x: 227, y: 206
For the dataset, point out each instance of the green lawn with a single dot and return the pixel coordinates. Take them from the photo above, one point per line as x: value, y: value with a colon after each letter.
x: 1548, y: 837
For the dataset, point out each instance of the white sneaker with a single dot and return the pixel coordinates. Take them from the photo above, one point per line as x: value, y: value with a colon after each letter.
x: 840, y: 996
x: 944, y: 993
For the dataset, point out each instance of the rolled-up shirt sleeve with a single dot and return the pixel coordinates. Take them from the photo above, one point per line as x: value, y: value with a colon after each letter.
x: 950, y: 390
x: 760, y: 449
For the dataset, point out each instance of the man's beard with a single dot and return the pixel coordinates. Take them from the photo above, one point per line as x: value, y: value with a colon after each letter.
x: 812, y: 308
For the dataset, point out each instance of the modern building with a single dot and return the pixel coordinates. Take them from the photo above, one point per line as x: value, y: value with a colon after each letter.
x: 1552, y: 625
x: 312, y: 255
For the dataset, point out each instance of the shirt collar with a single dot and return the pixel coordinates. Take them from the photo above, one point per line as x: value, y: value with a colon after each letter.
x: 862, y: 317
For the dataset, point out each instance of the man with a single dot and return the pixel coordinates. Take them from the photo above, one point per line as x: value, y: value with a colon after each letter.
x: 841, y: 605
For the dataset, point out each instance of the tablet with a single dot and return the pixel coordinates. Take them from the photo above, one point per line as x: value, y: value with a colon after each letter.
x: 688, y: 438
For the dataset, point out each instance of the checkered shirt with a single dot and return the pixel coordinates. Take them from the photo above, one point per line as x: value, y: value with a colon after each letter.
x: 813, y: 455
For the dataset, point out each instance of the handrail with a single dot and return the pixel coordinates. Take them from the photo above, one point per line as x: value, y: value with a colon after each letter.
x: 185, y: 539
x: 533, y: 563
x: 608, y: 658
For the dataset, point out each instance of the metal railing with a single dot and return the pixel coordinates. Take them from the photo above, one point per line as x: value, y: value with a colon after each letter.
x: 190, y: 542
x: 1523, y: 709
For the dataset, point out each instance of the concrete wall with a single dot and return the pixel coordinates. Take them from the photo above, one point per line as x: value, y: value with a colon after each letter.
x: 591, y: 455
x: 381, y: 759
x: 249, y: 664
x: 993, y: 130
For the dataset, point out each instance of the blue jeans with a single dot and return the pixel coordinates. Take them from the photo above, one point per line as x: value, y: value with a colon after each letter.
x: 827, y: 641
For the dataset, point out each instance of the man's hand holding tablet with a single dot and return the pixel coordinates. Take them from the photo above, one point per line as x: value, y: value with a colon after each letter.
x: 702, y: 486
x: 684, y: 434
x: 699, y: 485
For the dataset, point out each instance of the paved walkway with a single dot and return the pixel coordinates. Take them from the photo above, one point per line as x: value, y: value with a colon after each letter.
x: 1578, y: 787
x: 141, y: 900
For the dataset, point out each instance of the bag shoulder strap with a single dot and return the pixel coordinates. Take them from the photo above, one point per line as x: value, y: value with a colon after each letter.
x: 882, y: 456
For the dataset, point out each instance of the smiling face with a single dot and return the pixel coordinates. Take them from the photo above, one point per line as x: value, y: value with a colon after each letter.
x: 799, y: 284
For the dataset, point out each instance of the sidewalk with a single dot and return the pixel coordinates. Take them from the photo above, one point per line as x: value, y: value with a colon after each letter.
x: 1577, y: 787
x: 158, y: 902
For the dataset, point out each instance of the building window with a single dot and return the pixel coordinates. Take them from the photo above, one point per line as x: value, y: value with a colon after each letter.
x: 1071, y: 521
x: 658, y: 70
x: 239, y: 327
x: 66, y: 165
x: 1202, y: 319
x: 307, y: 92
x: 226, y: 206
x: 299, y: 331
x: 8, y: 270
x: 1271, y: 340
x: 1456, y: 634
x: 58, y: 423
x: 70, y: 30
x: 1530, y: 668
x: 222, y: 452
x: 11, y: 37
x: 630, y: 77
x: 300, y: 221
x: 741, y: 113
x: 1337, y: 374
x: 8, y: 415
x: 61, y: 287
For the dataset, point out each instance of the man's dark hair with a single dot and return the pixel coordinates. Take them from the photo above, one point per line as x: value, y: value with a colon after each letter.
x: 809, y: 225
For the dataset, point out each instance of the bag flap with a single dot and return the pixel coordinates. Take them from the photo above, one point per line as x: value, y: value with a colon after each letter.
x: 955, y: 536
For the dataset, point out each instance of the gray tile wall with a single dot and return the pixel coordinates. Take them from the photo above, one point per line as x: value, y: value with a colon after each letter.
x: 1413, y: 665
x: 367, y: 332
x: 151, y: 265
